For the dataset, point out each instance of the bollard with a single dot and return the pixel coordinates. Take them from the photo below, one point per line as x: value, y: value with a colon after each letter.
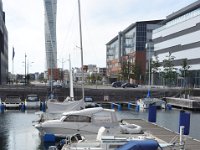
x: 112, y: 106
x: 184, y: 120
x: 20, y: 106
x: 49, y: 138
x: 23, y: 107
x: 2, y: 108
x: 152, y: 113
x: 43, y: 106
x: 119, y: 107
x: 129, y: 106
x: 181, y: 131
x: 137, y: 108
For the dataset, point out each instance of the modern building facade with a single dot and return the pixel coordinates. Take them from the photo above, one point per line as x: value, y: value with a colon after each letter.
x: 50, y: 8
x: 3, y: 47
x: 180, y: 36
x: 128, y: 47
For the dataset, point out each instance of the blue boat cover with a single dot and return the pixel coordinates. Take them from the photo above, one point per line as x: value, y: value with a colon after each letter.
x: 140, y: 145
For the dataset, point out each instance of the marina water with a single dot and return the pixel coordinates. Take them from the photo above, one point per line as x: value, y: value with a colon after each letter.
x: 17, y: 132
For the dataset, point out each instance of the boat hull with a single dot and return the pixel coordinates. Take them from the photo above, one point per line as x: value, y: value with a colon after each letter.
x: 32, y: 104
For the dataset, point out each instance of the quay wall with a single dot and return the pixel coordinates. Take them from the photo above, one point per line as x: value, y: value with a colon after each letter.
x: 99, y: 94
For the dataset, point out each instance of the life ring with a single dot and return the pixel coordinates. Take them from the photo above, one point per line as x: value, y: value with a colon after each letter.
x: 130, y: 129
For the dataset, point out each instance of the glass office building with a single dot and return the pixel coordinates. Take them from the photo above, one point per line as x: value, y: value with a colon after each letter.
x: 128, y: 47
x: 50, y: 7
x: 180, y: 36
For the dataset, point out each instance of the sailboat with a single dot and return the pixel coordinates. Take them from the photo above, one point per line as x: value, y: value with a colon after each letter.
x: 144, y: 103
x: 69, y: 104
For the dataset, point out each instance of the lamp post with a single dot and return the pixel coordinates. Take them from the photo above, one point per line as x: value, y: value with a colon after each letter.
x: 63, y: 61
x: 148, y: 48
x: 96, y: 76
x: 25, y: 71
x: 28, y: 65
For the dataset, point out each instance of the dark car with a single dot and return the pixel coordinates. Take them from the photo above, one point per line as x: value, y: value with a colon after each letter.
x: 129, y: 85
x: 117, y: 84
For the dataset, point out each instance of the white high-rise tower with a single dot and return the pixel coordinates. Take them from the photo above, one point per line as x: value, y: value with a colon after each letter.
x: 50, y: 8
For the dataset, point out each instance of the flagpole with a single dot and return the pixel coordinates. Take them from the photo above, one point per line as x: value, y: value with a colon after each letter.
x: 13, y: 56
x: 13, y: 66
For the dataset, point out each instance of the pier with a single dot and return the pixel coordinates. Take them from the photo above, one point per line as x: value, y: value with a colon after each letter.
x: 166, y: 134
x: 192, y: 103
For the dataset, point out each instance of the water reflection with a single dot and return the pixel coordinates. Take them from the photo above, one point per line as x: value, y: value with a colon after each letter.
x: 168, y: 119
x: 17, y: 132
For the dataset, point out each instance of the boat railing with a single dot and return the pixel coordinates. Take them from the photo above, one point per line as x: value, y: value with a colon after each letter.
x: 177, y: 143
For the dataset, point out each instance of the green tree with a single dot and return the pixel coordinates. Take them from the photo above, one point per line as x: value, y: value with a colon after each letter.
x: 155, y: 68
x: 93, y: 78
x: 155, y: 64
x: 124, y: 71
x: 184, y: 70
x: 169, y: 70
x: 98, y: 77
x: 135, y: 72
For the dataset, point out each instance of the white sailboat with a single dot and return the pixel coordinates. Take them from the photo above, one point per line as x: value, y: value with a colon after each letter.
x: 69, y: 104
x: 144, y: 103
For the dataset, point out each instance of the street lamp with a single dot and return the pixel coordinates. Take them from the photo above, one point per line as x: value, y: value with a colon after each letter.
x: 25, y: 71
x: 96, y: 76
x: 149, y: 45
x: 28, y: 65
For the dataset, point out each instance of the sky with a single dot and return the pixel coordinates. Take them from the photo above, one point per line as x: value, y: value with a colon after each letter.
x: 101, y: 22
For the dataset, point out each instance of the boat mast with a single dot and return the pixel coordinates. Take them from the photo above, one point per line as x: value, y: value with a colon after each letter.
x: 71, y: 81
x: 81, y: 47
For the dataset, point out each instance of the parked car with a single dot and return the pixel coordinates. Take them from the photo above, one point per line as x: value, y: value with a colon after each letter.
x: 129, y: 85
x: 116, y: 84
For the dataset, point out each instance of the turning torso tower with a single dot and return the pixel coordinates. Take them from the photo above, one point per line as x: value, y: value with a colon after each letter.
x: 50, y: 9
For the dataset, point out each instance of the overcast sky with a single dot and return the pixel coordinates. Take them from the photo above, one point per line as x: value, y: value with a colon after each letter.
x: 101, y: 21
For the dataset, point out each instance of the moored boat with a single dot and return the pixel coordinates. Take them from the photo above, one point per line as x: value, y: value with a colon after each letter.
x: 86, y: 121
x: 144, y: 103
x: 32, y: 101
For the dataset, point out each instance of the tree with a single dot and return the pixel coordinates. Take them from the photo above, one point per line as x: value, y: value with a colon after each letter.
x: 124, y: 73
x: 135, y: 72
x: 169, y: 70
x: 155, y: 64
x: 93, y: 78
x: 155, y: 67
x: 185, y: 70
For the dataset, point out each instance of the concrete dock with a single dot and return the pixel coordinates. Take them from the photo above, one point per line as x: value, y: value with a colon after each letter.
x: 191, y: 103
x: 166, y: 134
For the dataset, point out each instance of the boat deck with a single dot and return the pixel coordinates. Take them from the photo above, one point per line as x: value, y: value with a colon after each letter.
x: 165, y: 134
